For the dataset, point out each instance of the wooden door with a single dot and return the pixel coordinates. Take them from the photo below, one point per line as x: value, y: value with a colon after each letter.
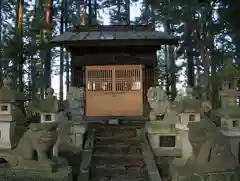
x: 114, y: 90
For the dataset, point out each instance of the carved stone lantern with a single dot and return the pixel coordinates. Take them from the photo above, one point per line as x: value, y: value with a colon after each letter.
x: 189, y: 109
x: 161, y: 128
x: 229, y: 77
x: 31, y: 158
x: 47, y: 108
x: 10, y: 115
x: 229, y: 112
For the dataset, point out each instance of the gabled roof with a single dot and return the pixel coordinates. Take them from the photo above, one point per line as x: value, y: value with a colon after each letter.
x: 87, y: 36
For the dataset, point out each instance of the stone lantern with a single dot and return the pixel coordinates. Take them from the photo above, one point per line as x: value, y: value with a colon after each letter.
x: 10, y: 115
x: 48, y: 108
x: 229, y: 112
x: 161, y: 129
x: 190, y: 110
x: 31, y: 158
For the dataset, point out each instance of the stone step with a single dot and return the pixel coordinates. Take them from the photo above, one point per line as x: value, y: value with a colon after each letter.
x: 126, y: 135
x: 130, y: 133
x: 118, y: 179
x: 117, y: 154
x: 119, y: 174
x: 118, y: 126
x: 123, y: 144
x: 127, y: 124
x: 119, y: 149
x: 112, y: 142
x: 118, y: 167
x: 117, y: 159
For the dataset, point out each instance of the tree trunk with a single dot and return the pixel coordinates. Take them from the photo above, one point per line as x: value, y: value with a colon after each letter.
x: 1, y: 43
x: 19, y: 34
x: 127, y: 11
x: 61, y: 55
x: 90, y: 13
x: 189, y: 55
x: 48, y: 36
x: 236, y: 40
x: 214, y: 86
x: 119, y: 10
x: 198, y: 70
x: 42, y: 57
x: 167, y: 69
x: 33, y: 81
x: 172, y: 70
x: 66, y: 53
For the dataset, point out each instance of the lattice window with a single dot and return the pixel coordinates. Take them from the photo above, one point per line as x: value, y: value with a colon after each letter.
x: 128, y: 80
x: 99, y: 80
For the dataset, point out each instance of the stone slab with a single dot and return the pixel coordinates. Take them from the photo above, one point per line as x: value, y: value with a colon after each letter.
x: 10, y: 174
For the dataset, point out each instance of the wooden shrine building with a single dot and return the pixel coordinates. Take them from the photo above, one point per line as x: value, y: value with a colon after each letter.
x: 115, y: 64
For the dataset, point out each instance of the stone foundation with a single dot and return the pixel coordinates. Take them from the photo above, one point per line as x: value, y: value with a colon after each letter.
x: 11, y: 174
x: 161, y: 128
x: 178, y: 172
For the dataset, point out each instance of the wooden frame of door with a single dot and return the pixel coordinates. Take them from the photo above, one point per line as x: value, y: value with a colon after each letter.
x: 114, y: 100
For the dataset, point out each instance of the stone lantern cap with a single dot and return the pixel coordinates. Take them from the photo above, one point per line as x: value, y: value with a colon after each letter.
x: 49, y: 105
x: 228, y: 72
x: 188, y: 104
x: 229, y: 112
x: 7, y: 94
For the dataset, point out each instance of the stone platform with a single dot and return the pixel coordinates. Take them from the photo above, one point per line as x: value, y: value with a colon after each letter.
x: 11, y: 174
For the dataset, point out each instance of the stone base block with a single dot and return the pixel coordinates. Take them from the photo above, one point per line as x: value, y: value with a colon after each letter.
x: 21, y: 174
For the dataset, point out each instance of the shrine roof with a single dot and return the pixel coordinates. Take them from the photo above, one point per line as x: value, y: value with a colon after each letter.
x: 136, y: 35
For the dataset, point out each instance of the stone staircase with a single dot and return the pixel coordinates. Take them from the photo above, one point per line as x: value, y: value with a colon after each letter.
x: 117, y: 154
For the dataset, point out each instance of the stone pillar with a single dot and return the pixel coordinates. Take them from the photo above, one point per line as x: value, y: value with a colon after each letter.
x: 70, y: 135
x: 76, y: 103
x: 186, y: 145
x: 77, y: 134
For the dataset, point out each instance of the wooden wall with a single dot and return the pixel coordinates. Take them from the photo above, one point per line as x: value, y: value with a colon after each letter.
x: 145, y: 58
x: 79, y: 61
